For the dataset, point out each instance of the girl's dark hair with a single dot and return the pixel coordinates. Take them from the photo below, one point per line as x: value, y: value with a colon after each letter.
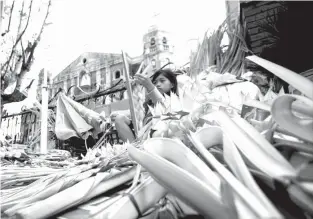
x: 169, y: 74
x: 172, y: 78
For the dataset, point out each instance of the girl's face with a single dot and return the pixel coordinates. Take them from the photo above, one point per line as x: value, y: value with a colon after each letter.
x: 163, y: 84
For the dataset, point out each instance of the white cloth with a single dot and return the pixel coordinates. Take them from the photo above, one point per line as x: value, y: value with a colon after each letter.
x: 205, y: 87
x: 236, y: 94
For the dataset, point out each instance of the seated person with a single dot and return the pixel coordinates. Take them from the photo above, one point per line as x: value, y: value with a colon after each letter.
x: 163, y: 82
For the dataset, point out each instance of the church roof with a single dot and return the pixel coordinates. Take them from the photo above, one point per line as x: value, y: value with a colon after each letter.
x: 90, y: 57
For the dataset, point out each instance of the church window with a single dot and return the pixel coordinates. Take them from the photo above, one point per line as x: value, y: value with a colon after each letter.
x: 164, y: 40
x: 117, y: 74
x: 85, y: 79
x: 152, y: 41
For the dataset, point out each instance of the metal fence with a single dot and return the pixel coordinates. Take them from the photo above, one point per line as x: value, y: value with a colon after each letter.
x: 20, y: 127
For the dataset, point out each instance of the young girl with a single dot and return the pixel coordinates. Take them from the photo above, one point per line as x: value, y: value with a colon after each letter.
x: 163, y: 82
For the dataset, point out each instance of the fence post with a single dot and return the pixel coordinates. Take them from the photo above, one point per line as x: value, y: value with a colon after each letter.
x: 44, y: 115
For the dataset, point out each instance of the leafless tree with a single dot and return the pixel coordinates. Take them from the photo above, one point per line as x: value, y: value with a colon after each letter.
x: 18, y: 46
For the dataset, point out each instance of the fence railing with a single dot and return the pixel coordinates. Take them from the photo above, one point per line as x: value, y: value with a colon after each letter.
x: 20, y: 127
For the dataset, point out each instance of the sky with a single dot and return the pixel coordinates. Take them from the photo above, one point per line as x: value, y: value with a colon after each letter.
x: 110, y: 26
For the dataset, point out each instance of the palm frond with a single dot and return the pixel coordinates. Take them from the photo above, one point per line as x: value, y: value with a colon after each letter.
x: 210, y: 52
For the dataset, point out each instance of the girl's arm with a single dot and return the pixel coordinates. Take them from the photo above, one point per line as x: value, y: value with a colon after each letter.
x: 155, y: 95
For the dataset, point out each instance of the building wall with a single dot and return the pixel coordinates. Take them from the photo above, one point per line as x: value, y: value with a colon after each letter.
x: 256, y: 13
x: 101, y: 68
x: 292, y: 46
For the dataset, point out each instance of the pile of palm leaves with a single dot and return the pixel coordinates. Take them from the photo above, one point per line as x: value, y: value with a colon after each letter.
x: 13, y: 177
x: 22, y: 189
x: 211, y: 53
x: 235, y: 169
x: 10, y: 156
x: 265, y: 157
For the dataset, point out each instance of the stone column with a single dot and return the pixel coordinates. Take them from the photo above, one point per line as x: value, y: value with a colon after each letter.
x: 65, y: 86
x: 103, y: 76
x: 108, y: 79
x: 98, y: 77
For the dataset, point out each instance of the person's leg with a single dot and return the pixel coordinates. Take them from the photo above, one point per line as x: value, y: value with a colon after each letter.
x: 122, y: 126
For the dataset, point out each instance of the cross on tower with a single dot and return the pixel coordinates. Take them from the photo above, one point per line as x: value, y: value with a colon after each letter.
x: 155, y: 14
x: 155, y: 17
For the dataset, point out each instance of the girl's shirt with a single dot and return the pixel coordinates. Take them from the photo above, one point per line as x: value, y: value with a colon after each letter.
x: 154, y: 96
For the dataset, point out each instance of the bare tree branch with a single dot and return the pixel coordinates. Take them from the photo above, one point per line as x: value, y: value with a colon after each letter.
x: 20, y: 36
x: 28, y: 64
x: 26, y: 59
x: 8, y: 29
x: 18, y: 32
x: 23, y: 52
x: 18, y: 64
x: 30, y: 84
x: 44, y: 22
x: 20, y: 22
x: 31, y: 49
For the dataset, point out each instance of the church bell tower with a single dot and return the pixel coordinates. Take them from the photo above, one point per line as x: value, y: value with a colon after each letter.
x: 158, y: 48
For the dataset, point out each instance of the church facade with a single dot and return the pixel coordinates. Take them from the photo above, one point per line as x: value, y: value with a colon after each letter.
x: 97, y: 80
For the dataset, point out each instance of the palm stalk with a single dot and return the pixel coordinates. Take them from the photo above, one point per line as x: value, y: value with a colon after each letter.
x: 210, y: 52
x: 79, y: 193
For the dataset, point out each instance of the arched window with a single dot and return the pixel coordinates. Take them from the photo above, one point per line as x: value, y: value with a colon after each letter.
x: 164, y: 40
x: 152, y: 41
x: 84, y: 79
x: 117, y: 74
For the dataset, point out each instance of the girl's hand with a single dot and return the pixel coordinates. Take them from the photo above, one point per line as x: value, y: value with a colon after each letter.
x: 113, y: 115
x: 119, y: 112
x: 144, y: 81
